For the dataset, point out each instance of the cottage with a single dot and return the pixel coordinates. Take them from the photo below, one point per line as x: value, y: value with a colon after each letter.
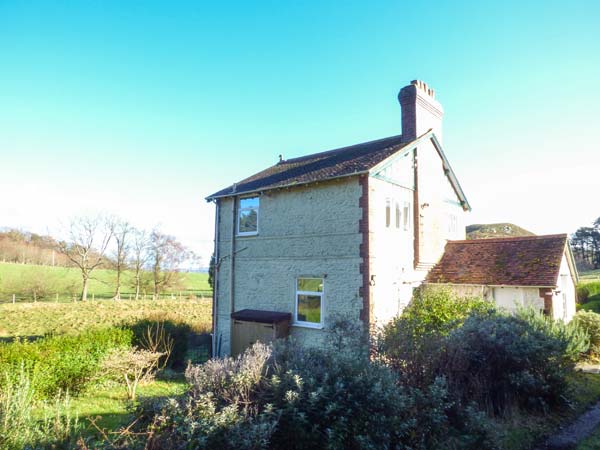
x: 347, y: 232
x: 531, y: 272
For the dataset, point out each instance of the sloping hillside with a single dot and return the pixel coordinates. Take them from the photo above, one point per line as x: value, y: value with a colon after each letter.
x: 495, y: 230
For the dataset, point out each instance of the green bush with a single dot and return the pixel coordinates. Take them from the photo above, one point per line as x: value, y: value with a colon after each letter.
x: 18, y: 427
x: 297, y: 398
x: 411, y: 342
x: 180, y: 332
x: 590, y: 322
x: 439, y: 310
x: 503, y: 361
x: 583, y: 293
x: 62, y: 363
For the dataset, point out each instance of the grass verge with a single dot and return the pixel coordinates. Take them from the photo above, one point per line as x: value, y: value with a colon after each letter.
x: 522, y: 432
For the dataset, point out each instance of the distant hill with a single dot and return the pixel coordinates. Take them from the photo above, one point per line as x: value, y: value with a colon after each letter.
x: 495, y: 230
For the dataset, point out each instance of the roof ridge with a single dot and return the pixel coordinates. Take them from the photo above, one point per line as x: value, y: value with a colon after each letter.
x: 340, y: 149
x: 508, y: 239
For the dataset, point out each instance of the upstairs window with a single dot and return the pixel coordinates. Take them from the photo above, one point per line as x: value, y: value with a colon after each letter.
x: 397, y: 215
x: 388, y: 212
x: 309, y: 302
x: 452, y: 223
x: 406, y: 216
x: 248, y: 216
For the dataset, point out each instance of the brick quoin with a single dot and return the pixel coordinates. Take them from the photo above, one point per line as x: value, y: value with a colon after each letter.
x: 363, y: 228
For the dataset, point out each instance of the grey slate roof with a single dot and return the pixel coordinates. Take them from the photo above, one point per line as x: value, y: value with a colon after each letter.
x: 322, y: 166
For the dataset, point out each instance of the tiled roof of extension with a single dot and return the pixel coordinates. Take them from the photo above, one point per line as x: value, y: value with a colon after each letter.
x: 337, y: 163
x: 520, y: 261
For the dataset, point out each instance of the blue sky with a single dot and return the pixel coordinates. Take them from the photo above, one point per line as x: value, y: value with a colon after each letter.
x: 143, y: 108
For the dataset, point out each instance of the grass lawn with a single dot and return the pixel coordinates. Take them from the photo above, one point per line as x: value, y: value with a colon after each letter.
x: 66, y: 282
x: 109, y: 406
x: 592, y: 442
x: 37, y: 319
x: 591, y: 275
x: 521, y: 432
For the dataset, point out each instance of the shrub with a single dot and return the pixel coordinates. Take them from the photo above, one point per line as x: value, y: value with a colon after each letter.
x: 439, y: 310
x: 411, y: 342
x: 18, y: 427
x: 583, y: 293
x: 176, y: 331
x: 232, y: 380
x: 62, y: 363
x: 590, y: 322
x: 503, y: 361
x: 296, y: 398
x: 133, y: 365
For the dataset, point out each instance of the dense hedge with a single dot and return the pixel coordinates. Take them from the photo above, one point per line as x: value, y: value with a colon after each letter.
x: 499, y: 361
x: 294, y: 398
x: 61, y: 363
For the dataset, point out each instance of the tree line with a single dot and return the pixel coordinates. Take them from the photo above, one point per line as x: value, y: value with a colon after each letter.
x: 585, y: 243
x: 104, y: 241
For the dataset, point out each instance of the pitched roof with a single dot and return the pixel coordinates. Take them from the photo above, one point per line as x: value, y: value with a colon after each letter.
x: 520, y: 261
x: 337, y: 163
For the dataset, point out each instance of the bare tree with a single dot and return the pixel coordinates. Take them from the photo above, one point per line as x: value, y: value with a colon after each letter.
x: 140, y: 254
x: 122, y: 232
x: 166, y: 256
x: 88, y: 240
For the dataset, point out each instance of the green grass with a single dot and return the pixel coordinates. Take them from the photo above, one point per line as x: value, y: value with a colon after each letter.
x: 593, y: 301
x: 37, y: 319
x: 66, y: 282
x: 591, y: 275
x: 592, y: 442
x: 109, y: 407
x: 521, y: 432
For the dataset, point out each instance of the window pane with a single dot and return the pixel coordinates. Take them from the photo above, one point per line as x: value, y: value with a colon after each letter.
x: 309, y: 308
x: 397, y: 215
x: 251, y: 202
x: 388, y: 213
x: 406, y: 216
x: 248, y: 221
x: 310, y: 284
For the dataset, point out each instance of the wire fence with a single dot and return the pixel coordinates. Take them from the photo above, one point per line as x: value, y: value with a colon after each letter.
x: 68, y: 297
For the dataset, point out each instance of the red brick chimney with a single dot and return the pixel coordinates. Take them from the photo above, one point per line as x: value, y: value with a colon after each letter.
x: 420, y: 111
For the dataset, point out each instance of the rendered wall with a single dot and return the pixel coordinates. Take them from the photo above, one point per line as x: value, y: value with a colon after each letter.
x: 391, y: 247
x: 437, y: 202
x: 564, y: 298
x: 304, y: 231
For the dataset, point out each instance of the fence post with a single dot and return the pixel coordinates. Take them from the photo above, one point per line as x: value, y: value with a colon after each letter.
x: 13, y: 299
x: 57, y: 297
x: 93, y: 297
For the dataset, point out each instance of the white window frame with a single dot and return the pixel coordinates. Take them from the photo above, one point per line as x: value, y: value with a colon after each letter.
x: 302, y: 323
x: 239, y: 216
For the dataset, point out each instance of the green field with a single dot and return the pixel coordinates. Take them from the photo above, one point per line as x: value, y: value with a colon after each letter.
x: 107, y: 405
x: 66, y: 283
x: 37, y: 319
x: 588, y: 276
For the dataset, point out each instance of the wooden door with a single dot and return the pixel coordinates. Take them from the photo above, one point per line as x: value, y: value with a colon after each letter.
x: 247, y: 333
